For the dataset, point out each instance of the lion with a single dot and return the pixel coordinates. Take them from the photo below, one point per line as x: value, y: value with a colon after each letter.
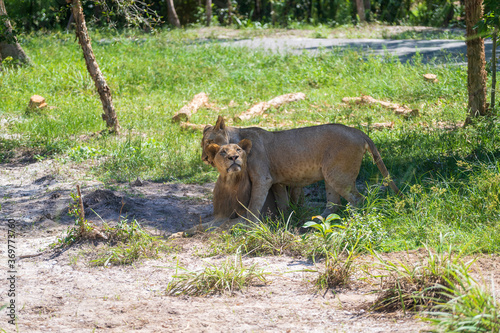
x: 231, y: 194
x: 297, y: 158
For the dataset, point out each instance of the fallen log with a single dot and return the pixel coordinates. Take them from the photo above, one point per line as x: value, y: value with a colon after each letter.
x: 401, y: 110
x: 260, y: 108
x: 380, y: 126
x: 190, y: 126
x: 189, y: 109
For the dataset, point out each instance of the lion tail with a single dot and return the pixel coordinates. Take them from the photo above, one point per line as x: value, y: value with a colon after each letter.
x: 377, y: 159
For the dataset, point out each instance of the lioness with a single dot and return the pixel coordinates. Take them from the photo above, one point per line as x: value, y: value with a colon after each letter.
x: 232, y: 190
x: 300, y: 157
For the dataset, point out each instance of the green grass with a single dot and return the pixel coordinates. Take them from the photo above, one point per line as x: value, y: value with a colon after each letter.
x: 422, y: 284
x: 449, y: 177
x: 229, y: 276
x: 475, y: 310
x: 127, y: 243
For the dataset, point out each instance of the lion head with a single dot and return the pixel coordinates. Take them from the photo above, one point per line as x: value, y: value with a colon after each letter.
x: 229, y: 158
x: 213, y: 135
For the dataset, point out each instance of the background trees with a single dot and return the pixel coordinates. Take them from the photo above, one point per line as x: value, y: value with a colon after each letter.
x: 9, y: 47
x: 38, y: 14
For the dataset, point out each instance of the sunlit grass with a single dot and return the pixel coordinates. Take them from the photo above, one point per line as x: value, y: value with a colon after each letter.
x: 448, y: 177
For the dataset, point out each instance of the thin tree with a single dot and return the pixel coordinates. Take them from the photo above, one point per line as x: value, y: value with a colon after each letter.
x: 229, y: 12
x: 489, y: 26
x: 360, y: 6
x: 208, y: 10
x: 173, y: 19
x: 476, y: 71
x: 82, y: 34
x: 9, y: 46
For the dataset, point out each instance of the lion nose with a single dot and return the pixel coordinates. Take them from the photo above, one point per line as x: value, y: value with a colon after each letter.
x: 233, y: 158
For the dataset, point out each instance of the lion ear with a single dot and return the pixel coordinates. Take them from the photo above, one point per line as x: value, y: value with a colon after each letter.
x: 246, y: 145
x: 212, y: 150
x: 220, y: 125
x: 207, y: 128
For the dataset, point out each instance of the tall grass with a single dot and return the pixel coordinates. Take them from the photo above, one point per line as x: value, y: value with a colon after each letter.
x: 449, y: 177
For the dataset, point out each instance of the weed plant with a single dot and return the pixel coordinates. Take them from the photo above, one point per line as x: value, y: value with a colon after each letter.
x: 266, y: 237
x: 340, y: 267
x: 128, y: 242
x: 475, y: 310
x: 230, y: 276
x: 417, y: 286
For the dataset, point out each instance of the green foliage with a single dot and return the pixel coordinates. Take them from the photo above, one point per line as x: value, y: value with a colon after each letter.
x: 415, y: 286
x: 267, y: 237
x: 325, y: 228
x: 36, y: 14
x: 81, y: 230
x: 491, y: 18
x: 128, y: 242
x: 448, y: 177
x: 229, y: 276
x: 475, y: 310
x: 339, y: 267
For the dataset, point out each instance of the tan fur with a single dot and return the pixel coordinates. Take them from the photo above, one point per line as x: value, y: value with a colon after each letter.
x: 232, y: 190
x: 300, y: 157
x: 233, y: 187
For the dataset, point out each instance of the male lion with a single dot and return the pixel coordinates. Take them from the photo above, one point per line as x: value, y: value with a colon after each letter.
x: 233, y: 187
x: 300, y: 157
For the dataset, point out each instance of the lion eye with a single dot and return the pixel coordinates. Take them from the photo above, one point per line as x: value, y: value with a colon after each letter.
x: 238, y: 150
x: 223, y: 153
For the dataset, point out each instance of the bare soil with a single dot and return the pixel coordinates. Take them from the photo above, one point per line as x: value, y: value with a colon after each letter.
x: 59, y: 291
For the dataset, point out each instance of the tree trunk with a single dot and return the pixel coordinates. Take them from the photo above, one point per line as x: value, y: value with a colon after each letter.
x: 109, y: 114
x: 494, y: 69
x: 229, y: 12
x: 476, y: 72
x: 257, y: 12
x: 9, y: 47
x: 360, y: 5
x: 208, y: 10
x: 368, y: 6
x: 173, y: 19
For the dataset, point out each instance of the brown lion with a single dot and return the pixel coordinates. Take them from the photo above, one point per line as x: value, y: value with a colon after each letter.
x: 232, y: 190
x: 297, y: 158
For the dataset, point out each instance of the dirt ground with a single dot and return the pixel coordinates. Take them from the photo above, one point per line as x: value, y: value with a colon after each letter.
x: 60, y: 292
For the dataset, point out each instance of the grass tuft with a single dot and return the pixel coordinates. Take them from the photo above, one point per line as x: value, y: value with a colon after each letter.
x: 129, y: 243
x: 476, y: 310
x: 229, y: 277
x: 339, y: 269
x: 419, y: 285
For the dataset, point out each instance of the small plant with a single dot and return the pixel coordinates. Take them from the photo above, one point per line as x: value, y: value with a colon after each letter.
x: 83, y: 229
x: 269, y: 237
x: 325, y: 227
x: 131, y: 243
x: 339, y: 268
x: 82, y: 153
x: 421, y: 285
x: 229, y: 277
x: 476, y: 310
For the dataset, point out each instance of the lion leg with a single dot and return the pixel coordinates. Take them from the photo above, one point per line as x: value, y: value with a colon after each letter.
x: 332, y: 200
x: 296, y: 195
x: 258, y: 198
x: 337, y: 183
x: 281, y: 196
